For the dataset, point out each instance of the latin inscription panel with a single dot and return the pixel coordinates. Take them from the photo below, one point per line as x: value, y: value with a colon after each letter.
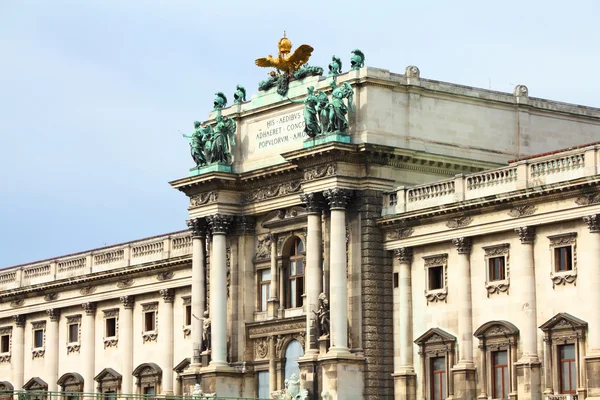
x: 277, y: 132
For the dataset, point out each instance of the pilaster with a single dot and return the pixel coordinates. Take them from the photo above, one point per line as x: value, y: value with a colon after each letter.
x: 166, y: 321
x: 88, y: 352
x: 18, y: 348
x: 52, y: 348
x: 592, y: 360
x: 126, y: 339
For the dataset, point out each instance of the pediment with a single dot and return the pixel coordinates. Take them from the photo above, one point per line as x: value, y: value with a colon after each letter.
x: 563, y: 321
x: 182, y: 366
x: 496, y: 329
x: 70, y: 378
x: 108, y: 374
x: 6, y: 386
x: 35, y: 384
x: 435, y: 335
x: 284, y: 216
x: 147, y: 369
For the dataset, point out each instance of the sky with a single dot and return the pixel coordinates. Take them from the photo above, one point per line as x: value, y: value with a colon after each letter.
x: 93, y: 93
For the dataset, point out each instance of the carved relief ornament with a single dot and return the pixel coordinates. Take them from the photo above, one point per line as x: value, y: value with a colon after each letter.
x: 498, y: 286
x: 522, y: 211
x: 203, y: 198
x: 272, y: 191
x: 400, y: 233
x: 261, y: 348
x: 338, y: 198
x: 459, y: 222
x: 219, y: 223
x: 320, y: 172
x: 404, y: 254
x: 569, y: 276
x: 263, y: 247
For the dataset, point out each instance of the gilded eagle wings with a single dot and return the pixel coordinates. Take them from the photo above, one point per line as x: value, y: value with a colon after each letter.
x: 267, y: 62
x: 287, y: 64
x: 300, y: 56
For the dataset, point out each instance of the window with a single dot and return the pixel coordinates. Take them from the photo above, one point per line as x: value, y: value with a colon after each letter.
x: 149, y: 390
x: 496, y: 266
x: 500, y: 374
x: 5, y: 343
x: 149, y: 321
x: 438, y: 378
x: 110, y: 327
x: 568, y: 377
x: 436, y: 277
x: 110, y: 395
x: 292, y: 352
x: 188, y: 315
x: 38, y: 338
x: 263, y: 385
x: 563, y: 259
x: 563, y: 253
x: 296, y: 274
x: 264, y: 287
x: 73, y: 333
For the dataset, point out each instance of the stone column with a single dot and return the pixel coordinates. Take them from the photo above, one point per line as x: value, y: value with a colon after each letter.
x: 338, y: 199
x: 314, y: 271
x: 528, y: 366
x: 219, y: 224
x: 126, y: 339
x: 52, y: 348
x: 272, y: 365
x: 198, y: 228
x: 404, y: 372
x: 88, y: 349
x: 464, y: 371
x: 273, y: 302
x: 18, y: 351
x: 592, y: 360
x: 168, y: 296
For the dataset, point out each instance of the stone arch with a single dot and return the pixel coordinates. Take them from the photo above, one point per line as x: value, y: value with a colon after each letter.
x: 293, y: 350
x: 433, y: 344
x: 71, y: 382
x: 109, y: 381
x: 6, y: 390
x: 496, y: 328
x: 149, y: 377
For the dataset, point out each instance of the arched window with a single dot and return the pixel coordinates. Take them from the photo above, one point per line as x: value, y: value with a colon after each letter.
x: 295, y: 274
x: 71, y: 384
x: 293, y: 351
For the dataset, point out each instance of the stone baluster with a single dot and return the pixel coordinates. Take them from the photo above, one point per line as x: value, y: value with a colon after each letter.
x: 52, y: 348
x: 126, y: 339
x: 198, y: 228
x: 18, y: 351
x: 273, y: 301
x: 314, y: 270
x: 88, y: 347
x: 528, y: 366
x: 168, y: 296
x: 338, y: 199
x: 464, y: 370
x: 404, y: 372
x: 219, y: 225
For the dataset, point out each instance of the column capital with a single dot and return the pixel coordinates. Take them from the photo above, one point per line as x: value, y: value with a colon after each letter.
x: 197, y: 226
x: 168, y: 295
x: 526, y: 234
x: 338, y: 198
x: 593, y: 222
x: 19, y: 320
x: 53, y: 314
x: 404, y: 254
x: 89, y: 308
x: 219, y: 223
x: 463, y: 245
x: 314, y: 202
x: 243, y: 225
x: 128, y: 302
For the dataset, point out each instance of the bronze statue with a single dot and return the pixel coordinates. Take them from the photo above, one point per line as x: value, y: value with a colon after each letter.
x: 323, y: 315
x: 206, y: 330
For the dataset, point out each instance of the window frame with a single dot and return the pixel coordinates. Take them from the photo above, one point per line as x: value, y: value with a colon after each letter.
x: 109, y: 314
x: 187, y: 309
x: 6, y: 332
x: 497, y: 286
x: 436, y: 343
x: 147, y: 334
x: 443, y: 377
x: 36, y: 326
x: 571, y: 362
x: 505, y: 384
x: 261, y: 283
x: 556, y: 243
x: 73, y: 346
x: 295, y: 255
x: 436, y: 261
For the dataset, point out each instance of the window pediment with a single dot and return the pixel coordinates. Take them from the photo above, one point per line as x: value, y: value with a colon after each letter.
x: 35, y: 384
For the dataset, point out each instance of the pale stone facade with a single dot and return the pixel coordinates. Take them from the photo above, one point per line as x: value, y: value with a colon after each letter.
x: 296, y: 218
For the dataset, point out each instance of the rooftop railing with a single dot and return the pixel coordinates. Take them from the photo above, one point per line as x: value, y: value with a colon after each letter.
x: 108, y: 258
x: 534, y: 172
x: 46, y: 395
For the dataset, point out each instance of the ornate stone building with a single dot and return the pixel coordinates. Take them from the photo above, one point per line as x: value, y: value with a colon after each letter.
x: 432, y: 292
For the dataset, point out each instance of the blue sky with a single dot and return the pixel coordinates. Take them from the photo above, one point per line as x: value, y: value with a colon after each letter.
x: 92, y: 93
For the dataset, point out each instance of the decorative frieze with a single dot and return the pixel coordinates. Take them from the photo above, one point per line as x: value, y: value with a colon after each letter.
x: 164, y: 276
x: 219, y: 223
x: 87, y: 290
x: 588, y: 199
x: 400, y: 233
x: 522, y: 211
x: 320, y: 172
x: 272, y: 191
x: 50, y: 296
x: 125, y: 283
x: 404, y: 254
x: 203, y: 198
x: 459, y: 222
x: 17, y: 303
x: 463, y: 245
x: 526, y: 234
x: 338, y: 198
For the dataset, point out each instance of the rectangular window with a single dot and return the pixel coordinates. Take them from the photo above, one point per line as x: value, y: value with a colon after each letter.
x: 110, y: 395
x: 436, y: 277
x: 265, y: 287
x: 73, y: 333
x: 497, y: 268
x: 438, y: 378
x: 188, y: 315
x: 149, y: 390
x: 263, y: 385
x: 149, y: 321
x: 296, y: 282
x: 568, y: 381
x: 396, y: 280
x: 563, y: 259
x: 500, y: 374
x: 38, y: 338
x: 5, y: 344
x: 111, y: 327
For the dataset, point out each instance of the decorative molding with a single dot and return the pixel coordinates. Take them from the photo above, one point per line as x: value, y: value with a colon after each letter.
x: 19, y: 320
x: 111, y: 312
x: 313, y: 201
x: 526, y: 234
x: 4, y: 358
x: 522, y: 211
x: 37, y: 353
x: 277, y: 329
x: 400, y: 233
x: 125, y: 283
x: 272, y: 191
x: 261, y: 348
x: 219, y: 223
x: 151, y: 306
x: 198, y: 227
x: 187, y: 331
x: 498, y: 286
x: 53, y: 314
x: 89, y: 308
x: 87, y: 290
x: 263, y: 247
x: 38, y: 324
x: 593, y: 222
x: 164, y: 276
x: 127, y: 301
x: 73, y: 348
x: 187, y: 300
x: 338, y: 198
x: 6, y: 330
x: 463, y: 245
x: 168, y: 295
x: 436, y: 295
x: 203, y: 198
x: 459, y: 222
x: 73, y: 319
x: 110, y: 342
x: 149, y: 336
x: 404, y: 254
x: 17, y: 303
x: 588, y: 199
x: 320, y: 171
x: 563, y: 277
x: 51, y: 296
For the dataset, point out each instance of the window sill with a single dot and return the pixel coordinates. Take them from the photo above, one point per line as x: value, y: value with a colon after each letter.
x: 110, y: 341
x: 436, y: 295
x: 564, y: 277
x: 150, y: 336
x: 496, y: 287
x: 260, y: 315
x: 38, y: 352
x: 4, y: 357
x: 293, y: 312
x: 73, y: 347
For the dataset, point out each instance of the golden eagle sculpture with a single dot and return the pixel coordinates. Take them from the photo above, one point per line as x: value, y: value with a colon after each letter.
x: 285, y: 62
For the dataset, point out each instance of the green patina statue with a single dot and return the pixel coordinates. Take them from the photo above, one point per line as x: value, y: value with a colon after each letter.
x: 220, y: 101
x: 337, y: 108
x: 198, y: 140
x: 311, y: 122
x: 307, y: 70
x: 213, y: 143
x: 357, y: 61
x: 335, y: 66
x: 240, y: 95
x: 323, y: 110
